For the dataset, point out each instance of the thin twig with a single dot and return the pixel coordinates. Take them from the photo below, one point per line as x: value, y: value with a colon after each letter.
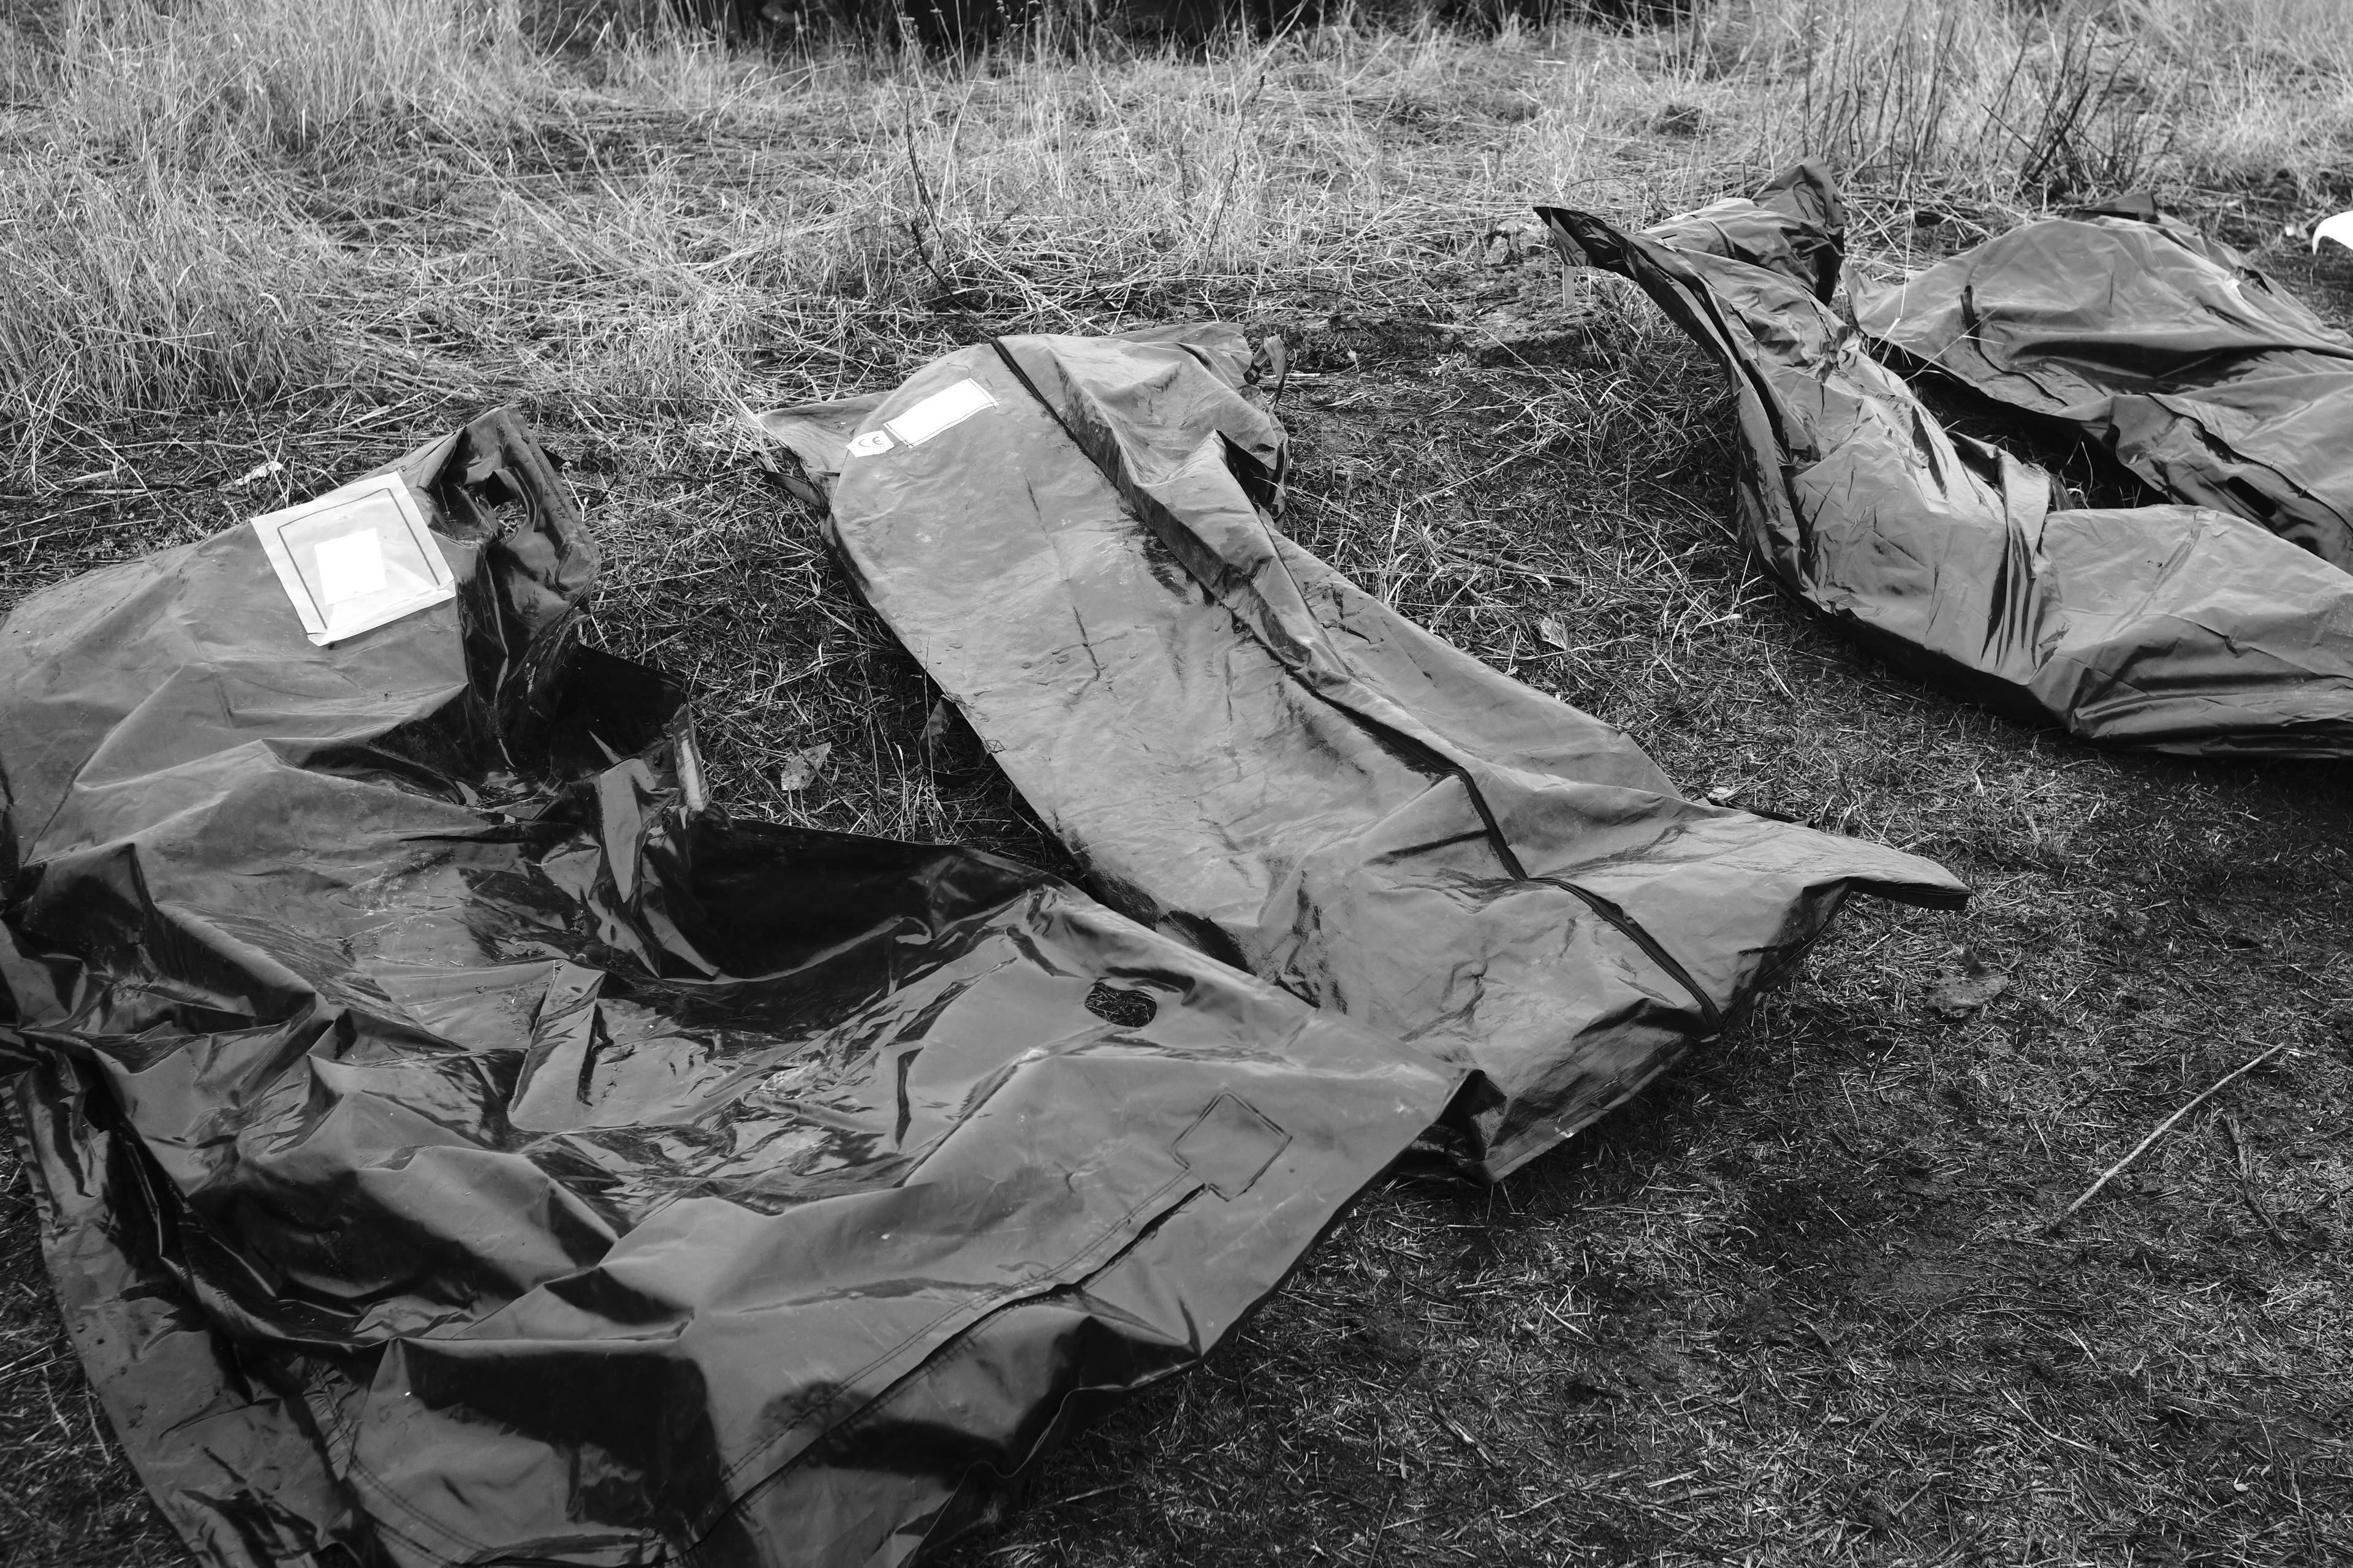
x: 2161, y: 1129
x: 2247, y: 1194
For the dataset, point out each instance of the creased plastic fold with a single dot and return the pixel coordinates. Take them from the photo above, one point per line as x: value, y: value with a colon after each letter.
x: 2123, y: 324
x: 1249, y: 751
x: 2175, y: 628
x: 454, y: 1146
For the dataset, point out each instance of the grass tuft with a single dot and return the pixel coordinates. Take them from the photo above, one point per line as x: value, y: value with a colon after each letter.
x: 193, y: 81
x: 130, y: 288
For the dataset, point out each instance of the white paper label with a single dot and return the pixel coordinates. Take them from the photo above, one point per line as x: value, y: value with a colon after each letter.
x: 939, y: 412
x: 351, y: 567
x: 355, y: 559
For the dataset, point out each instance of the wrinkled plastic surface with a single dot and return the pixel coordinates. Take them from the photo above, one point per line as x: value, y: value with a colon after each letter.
x: 1246, y: 750
x: 2176, y: 629
x: 2165, y: 347
x: 456, y: 1146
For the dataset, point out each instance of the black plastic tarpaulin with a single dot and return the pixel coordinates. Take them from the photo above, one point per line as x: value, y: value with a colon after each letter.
x: 456, y: 1144
x: 2165, y: 347
x: 1244, y: 749
x: 2177, y: 628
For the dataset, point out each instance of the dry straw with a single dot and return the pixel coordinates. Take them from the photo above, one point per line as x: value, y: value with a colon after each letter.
x: 222, y: 199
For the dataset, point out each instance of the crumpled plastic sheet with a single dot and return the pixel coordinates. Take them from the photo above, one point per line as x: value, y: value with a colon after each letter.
x: 2164, y: 347
x: 456, y: 1144
x: 1244, y: 749
x: 2175, y: 627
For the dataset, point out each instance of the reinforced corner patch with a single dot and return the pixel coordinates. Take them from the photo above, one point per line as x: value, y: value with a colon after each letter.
x: 1230, y: 1146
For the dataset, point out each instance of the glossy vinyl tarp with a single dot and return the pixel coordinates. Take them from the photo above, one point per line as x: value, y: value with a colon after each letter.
x: 2172, y: 627
x: 2204, y: 378
x: 456, y: 1144
x: 1244, y: 749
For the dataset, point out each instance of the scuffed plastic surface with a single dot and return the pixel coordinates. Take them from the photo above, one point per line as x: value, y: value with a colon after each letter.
x: 1248, y: 751
x: 2205, y: 378
x: 454, y: 1146
x: 2176, y: 629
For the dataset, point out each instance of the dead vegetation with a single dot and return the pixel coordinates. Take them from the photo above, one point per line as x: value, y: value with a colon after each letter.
x: 1797, y: 1305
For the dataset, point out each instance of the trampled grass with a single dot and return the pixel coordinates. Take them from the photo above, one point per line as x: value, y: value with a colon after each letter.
x: 1791, y: 1308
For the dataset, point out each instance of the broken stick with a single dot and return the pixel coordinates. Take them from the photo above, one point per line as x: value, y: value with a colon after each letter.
x: 2161, y: 1129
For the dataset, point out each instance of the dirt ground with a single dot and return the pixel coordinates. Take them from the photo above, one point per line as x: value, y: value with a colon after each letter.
x: 1800, y: 1303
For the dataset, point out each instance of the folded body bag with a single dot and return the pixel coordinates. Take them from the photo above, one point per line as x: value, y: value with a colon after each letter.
x: 2174, y: 629
x: 2191, y: 368
x: 457, y: 1144
x: 1244, y: 749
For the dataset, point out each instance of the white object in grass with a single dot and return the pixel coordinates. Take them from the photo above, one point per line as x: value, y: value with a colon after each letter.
x: 2338, y: 228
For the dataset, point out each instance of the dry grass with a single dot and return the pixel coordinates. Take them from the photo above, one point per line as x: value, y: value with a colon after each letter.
x: 1792, y: 1308
x: 227, y: 198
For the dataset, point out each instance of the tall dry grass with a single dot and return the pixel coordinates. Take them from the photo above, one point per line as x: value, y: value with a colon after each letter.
x: 211, y: 79
x: 2034, y: 103
x: 131, y: 286
x: 229, y: 199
